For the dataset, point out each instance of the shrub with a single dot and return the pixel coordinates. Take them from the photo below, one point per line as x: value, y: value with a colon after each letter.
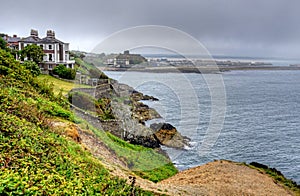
x: 63, y: 72
x: 32, y: 67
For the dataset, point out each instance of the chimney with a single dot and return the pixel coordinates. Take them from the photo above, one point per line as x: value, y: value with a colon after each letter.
x: 50, y: 34
x: 34, y: 33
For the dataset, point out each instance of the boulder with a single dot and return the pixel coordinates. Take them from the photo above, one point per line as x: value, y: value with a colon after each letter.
x: 148, y: 141
x: 169, y: 136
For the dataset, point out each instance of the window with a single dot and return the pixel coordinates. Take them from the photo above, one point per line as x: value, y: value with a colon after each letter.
x: 50, y: 57
x: 50, y: 47
x: 42, y: 46
x: 50, y: 67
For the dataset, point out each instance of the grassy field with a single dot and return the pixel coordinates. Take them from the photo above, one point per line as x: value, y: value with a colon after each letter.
x: 61, y: 85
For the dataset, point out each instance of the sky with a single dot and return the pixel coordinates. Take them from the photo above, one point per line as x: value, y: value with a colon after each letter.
x: 257, y: 28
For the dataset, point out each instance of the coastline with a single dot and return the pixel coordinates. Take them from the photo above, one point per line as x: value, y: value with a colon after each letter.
x: 199, y: 69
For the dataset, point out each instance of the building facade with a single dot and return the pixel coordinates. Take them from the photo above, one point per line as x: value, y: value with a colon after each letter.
x: 56, y: 51
x: 126, y: 59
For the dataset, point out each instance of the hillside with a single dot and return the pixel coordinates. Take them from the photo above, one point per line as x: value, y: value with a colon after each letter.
x: 48, y: 148
x: 227, y: 178
x: 37, y: 158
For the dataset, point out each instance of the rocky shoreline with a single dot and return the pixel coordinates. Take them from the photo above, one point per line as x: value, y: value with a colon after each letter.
x: 130, y: 115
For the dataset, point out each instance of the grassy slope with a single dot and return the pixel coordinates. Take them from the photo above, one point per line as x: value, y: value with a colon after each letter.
x: 60, y: 85
x: 83, y: 66
x: 34, y: 159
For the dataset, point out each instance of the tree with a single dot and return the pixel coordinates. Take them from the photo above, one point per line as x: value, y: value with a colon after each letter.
x: 33, y: 53
x: 32, y: 67
x: 3, y: 44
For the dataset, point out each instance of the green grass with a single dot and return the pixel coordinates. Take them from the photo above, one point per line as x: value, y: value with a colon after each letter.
x: 145, y: 162
x: 83, y: 66
x: 60, y: 85
x: 34, y: 161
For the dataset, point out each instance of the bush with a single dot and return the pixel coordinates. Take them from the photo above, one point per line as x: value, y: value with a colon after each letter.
x: 63, y: 72
x: 12, y: 69
x: 32, y: 67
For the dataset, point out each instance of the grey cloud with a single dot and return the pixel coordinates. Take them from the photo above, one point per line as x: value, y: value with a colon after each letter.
x: 229, y: 27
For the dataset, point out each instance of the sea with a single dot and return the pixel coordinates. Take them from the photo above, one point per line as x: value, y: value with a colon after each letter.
x: 257, y: 115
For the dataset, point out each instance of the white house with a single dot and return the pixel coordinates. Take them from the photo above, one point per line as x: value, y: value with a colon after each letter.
x: 56, y: 51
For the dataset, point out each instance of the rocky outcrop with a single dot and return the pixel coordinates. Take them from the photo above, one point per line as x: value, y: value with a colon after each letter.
x: 169, y: 136
x: 143, y: 112
x: 129, y: 116
x: 137, y: 96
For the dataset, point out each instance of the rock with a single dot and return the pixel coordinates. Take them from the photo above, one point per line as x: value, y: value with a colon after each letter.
x: 137, y: 96
x: 72, y: 132
x: 142, y: 112
x: 148, y: 141
x: 147, y: 97
x: 169, y: 136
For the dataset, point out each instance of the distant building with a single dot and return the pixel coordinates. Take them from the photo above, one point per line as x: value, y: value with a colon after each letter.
x: 12, y: 42
x: 56, y: 51
x: 126, y: 59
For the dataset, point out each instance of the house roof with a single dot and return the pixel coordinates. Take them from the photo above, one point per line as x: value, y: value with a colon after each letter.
x: 46, y: 40
x: 13, y: 39
x: 50, y: 40
x: 31, y: 39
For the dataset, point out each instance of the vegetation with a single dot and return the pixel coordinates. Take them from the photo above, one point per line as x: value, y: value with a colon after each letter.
x: 33, y: 53
x: 94, y: 73
x: 83, y: 66
x: 82, y: 100
x: 36, y: 160
x: 103, y: 109
x: 277, y: 176
x: 2, y: 44
x: 145, y: 162
x: 100, y: 107
x: 32, y: 67
x: 60, y: 86
x: 64, y: 72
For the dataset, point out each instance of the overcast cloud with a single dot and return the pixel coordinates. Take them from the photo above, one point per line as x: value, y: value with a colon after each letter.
x: 232, y: 27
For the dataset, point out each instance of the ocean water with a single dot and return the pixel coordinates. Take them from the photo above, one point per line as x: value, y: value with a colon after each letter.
x: 262, y: 120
